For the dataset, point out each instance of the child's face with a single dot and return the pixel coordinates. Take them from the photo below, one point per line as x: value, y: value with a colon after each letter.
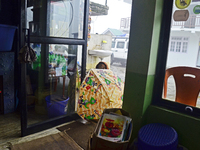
x: 102, y: 66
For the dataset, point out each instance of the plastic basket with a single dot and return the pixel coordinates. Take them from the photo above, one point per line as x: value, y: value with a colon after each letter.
x: 56, y: 107
x: 6, y: 37
x: 157, y: 136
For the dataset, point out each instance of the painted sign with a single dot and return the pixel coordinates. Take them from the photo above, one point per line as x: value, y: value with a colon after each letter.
x: 182, y: 4
x: 181, y: 15
x: 196, y: 9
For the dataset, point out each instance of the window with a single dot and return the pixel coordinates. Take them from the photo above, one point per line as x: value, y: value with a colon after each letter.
x: 179, y: 44
x: 172, y: 91
x: 172, y: 48
x: 178, y: 47
x: 113, y: 44
x: 184, y: 48
x: 120, y: 44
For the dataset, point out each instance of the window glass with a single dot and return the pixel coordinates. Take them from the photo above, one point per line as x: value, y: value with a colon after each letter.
x: 184, y: 48
x: 182, y: 68
x: 51, y: 81
x: 113, y: 44
x: 179, y: 44
x: 172, y: 46
x: 64, y: 18
x: 120, y: 44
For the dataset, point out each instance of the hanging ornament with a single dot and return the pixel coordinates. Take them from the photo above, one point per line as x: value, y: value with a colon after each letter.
x: 89, y: 28
x: 89, y: 36
x: 89, y: 19
x: 90, y: 11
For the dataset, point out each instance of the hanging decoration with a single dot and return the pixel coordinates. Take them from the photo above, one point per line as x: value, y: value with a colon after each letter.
x: 89, y: 26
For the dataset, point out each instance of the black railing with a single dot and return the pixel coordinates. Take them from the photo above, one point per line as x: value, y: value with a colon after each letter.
x: 192, y: 22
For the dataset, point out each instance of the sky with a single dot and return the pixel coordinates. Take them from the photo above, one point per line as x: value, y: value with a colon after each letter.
x: 117, y: 10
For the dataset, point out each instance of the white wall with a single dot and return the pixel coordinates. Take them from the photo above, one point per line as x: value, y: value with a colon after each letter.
x: 184, y: 59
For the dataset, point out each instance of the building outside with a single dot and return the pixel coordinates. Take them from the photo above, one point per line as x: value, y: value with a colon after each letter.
x: 184, y: 40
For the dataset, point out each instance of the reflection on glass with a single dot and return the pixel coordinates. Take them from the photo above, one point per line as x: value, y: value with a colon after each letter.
x: 56, y: 18
x: 183, y: 58
x: 51, y: 82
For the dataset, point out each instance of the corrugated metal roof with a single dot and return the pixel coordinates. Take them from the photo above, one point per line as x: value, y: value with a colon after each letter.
x: 115, y: 32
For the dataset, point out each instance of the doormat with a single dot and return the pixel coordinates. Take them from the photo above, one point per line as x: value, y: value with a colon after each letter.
x: 79, y: 132
x: 58, y: 141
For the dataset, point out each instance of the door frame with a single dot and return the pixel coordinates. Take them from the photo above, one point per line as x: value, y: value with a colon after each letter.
x: 30, y: 129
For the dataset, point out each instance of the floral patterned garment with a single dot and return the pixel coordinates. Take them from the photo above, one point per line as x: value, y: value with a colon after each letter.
x: 100, y: 89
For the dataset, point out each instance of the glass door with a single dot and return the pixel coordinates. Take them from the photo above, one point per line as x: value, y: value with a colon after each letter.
x: 57, y: 31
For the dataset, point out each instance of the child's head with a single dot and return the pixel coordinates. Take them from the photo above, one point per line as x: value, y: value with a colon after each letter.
x: 101, y: 65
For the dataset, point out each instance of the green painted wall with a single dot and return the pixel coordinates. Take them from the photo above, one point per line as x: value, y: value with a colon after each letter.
x: 148, y: 92
x: 144, y: 38
x: 133, y: 99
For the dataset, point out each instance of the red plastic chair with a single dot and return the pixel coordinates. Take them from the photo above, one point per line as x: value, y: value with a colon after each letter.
x: 187, y: 81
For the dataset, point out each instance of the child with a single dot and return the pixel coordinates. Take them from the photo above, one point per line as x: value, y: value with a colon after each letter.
x: 102, y: 65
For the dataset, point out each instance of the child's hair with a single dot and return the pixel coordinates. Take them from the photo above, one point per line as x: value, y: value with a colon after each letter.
x: 102, y: 65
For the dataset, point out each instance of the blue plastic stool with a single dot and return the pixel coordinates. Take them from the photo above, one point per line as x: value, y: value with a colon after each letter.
x: 157, y: 136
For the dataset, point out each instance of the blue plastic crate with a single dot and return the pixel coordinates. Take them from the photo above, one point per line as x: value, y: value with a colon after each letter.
x: 6, y: 37
x: 157, y: 136
x: 55, y: 106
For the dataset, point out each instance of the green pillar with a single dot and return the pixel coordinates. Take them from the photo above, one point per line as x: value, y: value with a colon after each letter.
x: 144, y: 37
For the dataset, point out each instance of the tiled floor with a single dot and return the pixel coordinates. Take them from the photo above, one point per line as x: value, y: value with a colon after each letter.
x: 10, y: 131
